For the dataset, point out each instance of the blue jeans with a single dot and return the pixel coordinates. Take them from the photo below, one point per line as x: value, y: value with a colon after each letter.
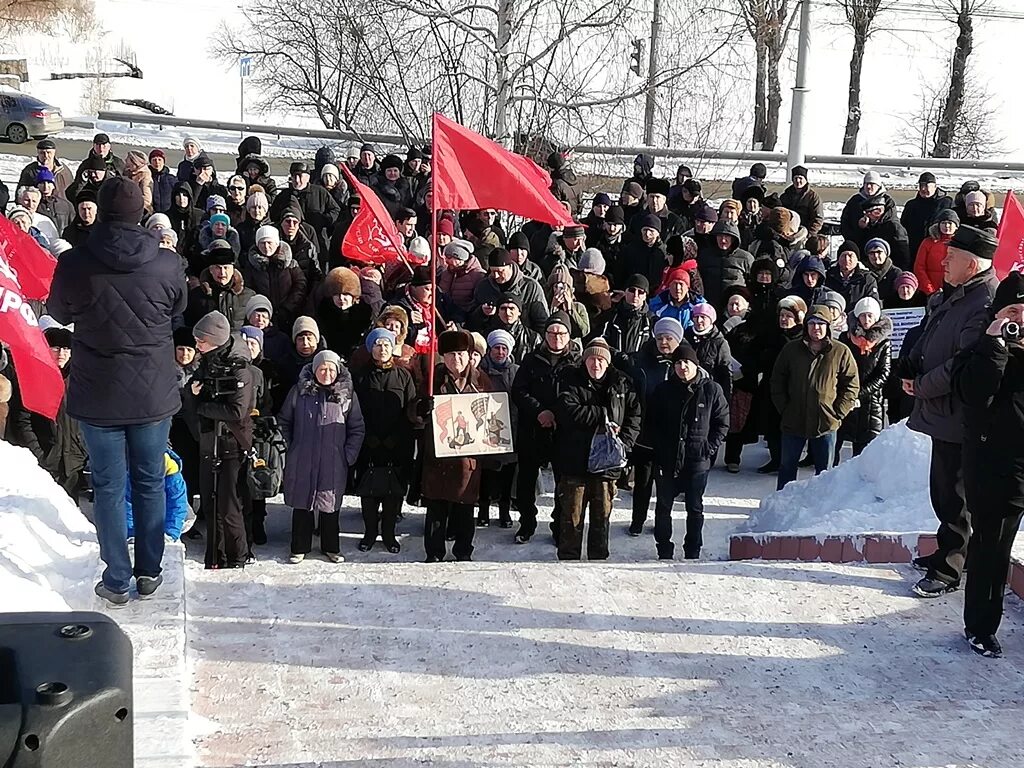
x: 822, y: 449
x: 113, y: 453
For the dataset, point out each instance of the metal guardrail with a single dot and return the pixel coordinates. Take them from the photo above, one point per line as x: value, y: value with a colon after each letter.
x: 931, y: 163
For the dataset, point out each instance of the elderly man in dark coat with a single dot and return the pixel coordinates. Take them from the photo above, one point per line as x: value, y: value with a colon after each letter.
x: 121, y: 292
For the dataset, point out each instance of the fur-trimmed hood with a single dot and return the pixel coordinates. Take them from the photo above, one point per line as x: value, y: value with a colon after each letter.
x: 339, y: 392
x: 874, y: 335
x: 236, y: 286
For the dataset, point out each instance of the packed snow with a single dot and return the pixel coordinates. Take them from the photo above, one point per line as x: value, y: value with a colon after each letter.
x: 49, y: 558
x: 884, y: 490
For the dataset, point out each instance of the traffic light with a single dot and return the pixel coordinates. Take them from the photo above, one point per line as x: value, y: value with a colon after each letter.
x: 636, y: 57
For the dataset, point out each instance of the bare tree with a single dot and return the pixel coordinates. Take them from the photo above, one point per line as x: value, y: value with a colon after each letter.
x: 974, y: 135
x: 861, y: 17
x: 19, y: 16
x: 768, y: 22
x: 960, y: 12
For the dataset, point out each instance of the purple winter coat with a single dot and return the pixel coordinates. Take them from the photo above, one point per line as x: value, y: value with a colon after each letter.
x: 324, y: 429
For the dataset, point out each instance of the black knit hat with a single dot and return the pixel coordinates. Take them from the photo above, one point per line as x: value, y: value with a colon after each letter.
x: 650, y: 221
x: 421, y: 275
x: 499, y: 257
x: 799, y: 170
x: 120, y: 200
x: 848, y: 245
x: 758, y: 171
x: 638, y: 281
x: 615, y: 215
x: 519, y: 241
x: 685, y: 352
x: 558, y: 318
x: 1010, y: 291
x: 980, y: 242
x: 183, y: 338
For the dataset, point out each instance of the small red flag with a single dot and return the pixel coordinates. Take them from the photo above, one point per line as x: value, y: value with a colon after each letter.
x: 1009, y: 255
x: 471, y: 172
x: 31, y: 264
x: 41, y: 382
x: 372, y: 237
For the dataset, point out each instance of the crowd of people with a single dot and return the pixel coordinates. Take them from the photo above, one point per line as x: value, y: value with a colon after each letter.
x: 190, y: 303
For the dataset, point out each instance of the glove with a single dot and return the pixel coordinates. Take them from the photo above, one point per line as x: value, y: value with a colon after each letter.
x: 424, y: 407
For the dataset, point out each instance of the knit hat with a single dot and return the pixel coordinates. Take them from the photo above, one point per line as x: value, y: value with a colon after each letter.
x: 650, y: 221
x: 518, y: 241
x: 706, y: 213
x: 592, y: 261
x: 639, y: 282
x: 291, y: 211
x: 558, y: 318
x: 795, y: 306
x: 45, y: 174
x: 926, y: 178
x: 598, y: 347
x: 657, y: 187
x: 219, y: 252
x: 368, y: 148
x: 867, y: 304
x: 977, y: 196
x: 574, y: 230
x: 818, y: 314
x: 676, y: 274
x: 634, y: 190
x: 120, y: 200
x: 305, y: 324
x: 510, y: 298
x: 947, y: 214
x: 169, y: 233
x: 458, y: 249
x: 834, y: 301
x: 183, y: 337
x: 877, y: 243
x: 327, y: 357
x: 420, y: 247
x: 213, y: 328
x: 268, y: 232
x: 342, y: 280
x: 252, y: 332
x: 602, y: 198
x: 158, y: 221
x: 848, y: 245
x: 220, y: 218
x: 17, y: 210
x: 705, y: 310
x: 454, y: 341
x: 157, y: 153
x: 58, y: 336
x: 730, y: 203
x: 669, y: 326
x: 330, y: 168
x: 256, y: 198
x: 875, y: 201
x: 479, y: 343
x: 1009, y: 291
x: 499, y: 336
x: 499, y: 257
x: 215, y: 201
x: 615, y: 215
x: 446, y: 227
x: 258, y: 302
x: 799, y: 170
x: 906, y: 278
x: 759, y: 171
x: 979, y: 242
x: 376, y: 335
x: 685, y: 352
x: 872, y: 177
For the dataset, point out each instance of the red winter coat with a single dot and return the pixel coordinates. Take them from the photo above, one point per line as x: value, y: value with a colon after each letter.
x: 928, y: 264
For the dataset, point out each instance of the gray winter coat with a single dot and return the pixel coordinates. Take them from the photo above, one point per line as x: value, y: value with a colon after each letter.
x: 950, y: 325
x: 324, y: 430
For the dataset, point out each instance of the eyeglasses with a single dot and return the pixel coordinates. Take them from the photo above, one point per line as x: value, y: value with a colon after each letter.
x: 558, y: 334
x: 237, y: 189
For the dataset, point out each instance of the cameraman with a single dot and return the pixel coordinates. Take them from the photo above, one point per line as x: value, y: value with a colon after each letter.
x: 221, y: 395
x: 989, y: 379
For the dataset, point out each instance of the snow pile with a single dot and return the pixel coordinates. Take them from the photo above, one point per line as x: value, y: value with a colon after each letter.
x: 884, y: 490
x: 49, y: 557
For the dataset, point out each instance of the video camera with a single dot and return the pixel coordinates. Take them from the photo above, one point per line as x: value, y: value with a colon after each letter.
x: 1011, y: 332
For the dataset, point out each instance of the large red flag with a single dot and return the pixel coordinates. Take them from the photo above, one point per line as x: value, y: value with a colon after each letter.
x: 372, y: 237
x: 1009, y: 256
x: 32, y: 265
x: 42, y: 386
x: 470, y: 171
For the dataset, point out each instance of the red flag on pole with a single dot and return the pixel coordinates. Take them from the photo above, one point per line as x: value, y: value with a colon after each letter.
x: 372, y: 237
x: 31, y: 264
x: 42, y: 385
x: 1009, y: 255
x: 470, y: 172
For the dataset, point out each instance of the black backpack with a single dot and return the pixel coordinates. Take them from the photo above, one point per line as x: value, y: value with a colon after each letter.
x: 266, y: 466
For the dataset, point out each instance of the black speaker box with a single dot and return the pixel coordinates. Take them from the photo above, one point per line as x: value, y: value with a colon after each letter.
x: 65, y: 691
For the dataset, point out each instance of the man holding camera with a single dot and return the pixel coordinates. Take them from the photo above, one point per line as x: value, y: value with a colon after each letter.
x: 989, y: 379
x: 956, y: 317
x: 221, y: 395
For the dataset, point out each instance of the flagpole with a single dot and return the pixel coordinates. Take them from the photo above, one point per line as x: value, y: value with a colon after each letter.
x: 433, y: 265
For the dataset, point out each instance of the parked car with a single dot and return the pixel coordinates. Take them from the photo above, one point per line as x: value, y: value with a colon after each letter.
x: 23, y: 116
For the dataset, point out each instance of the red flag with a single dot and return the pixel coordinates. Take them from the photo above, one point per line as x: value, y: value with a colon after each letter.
x: 32, y: 265
x: 471, y: 172
x: 42, y: 385
x: 1009, y: 256
x: 372, y: 237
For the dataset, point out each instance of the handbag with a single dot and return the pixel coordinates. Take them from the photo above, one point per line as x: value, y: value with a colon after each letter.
x: 607, y: 451
x: 377, y: 482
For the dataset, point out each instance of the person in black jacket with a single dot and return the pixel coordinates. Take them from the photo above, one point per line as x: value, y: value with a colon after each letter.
x: 387, y: 396
x: 85, y: 217
x: 221, y: 287
x: 849, y: 277
x: 595, y: 397
x: 536, y: 389
x: 804, y: 201
x: 342, y: 317
x: 163, y: 181
x: 319, y: 209
x: 868, y: 339
x: 627, y: 325
x: 649, y: 367
x: 221, y: 396
x: 876, y: 256
x: 690, y: 418
x: 712, y: 349
x: 644, y: 255
x: 919, y: 212
x: 989, y: 379
x: 184, y: 216
x: 57, y: 445
x: 123, y: 388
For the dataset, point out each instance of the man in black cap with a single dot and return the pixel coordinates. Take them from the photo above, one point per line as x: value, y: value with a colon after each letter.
x: 505, y: 278
x: 804, y: 201
x: 919, y: 213
x: 46, y: 157
x: 657, y: 204
x: 221, y: 287
x: 123, y: 388
x: 101, y: 149
x: 367, y: 170
x: 955, y: 318
x: 610, y: 239
x: 645, y: 253
x: 758, y: 173
x: 594, y: 220
x: 989, y: 380
x: 627, y: 325
x: 92, y: 172
x: 204, y: 181
x: 565, y: 248
x: 319, y: 208
x: 519, y: 250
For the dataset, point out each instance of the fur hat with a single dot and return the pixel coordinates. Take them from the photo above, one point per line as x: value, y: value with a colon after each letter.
x: 799, y: 170
x: 305, y: 324
x: 219, y: 252
x: 342, y: 280
x: 392, y: 161
x: 783, y: 222
x: 454, y: 341
x: 796, y: 306
x: 657, y: 186
x: 598, y: 347
x: 214, y: 328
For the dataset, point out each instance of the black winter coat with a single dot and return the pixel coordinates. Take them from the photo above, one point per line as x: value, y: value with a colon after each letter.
x: 319, y: 209
x: 233, y: 408
x: 865, y: 422
x: 885, y: 279
x: 281, y: 280
x: 229, y: 300
x: 58, y: 210
x: 989, y: 379
x: 860, y: 284
x: 623, y: 327
x: 888, y: 228
x: 57, y: 445
x: 121, y: 291
x: 771, y: 345
x: 385, y: 397
x: 714, y: 355
x: 537, y: 387
x: 342, y: 329
x: 720, y: 270
x: 184, y: 221
x: 164, y: 183
x: 919, y: 214
x: 76, y: 232
x: 648, y: 368
x: 689, y: 423
x: 581, y: 412
x: 638, y: 258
